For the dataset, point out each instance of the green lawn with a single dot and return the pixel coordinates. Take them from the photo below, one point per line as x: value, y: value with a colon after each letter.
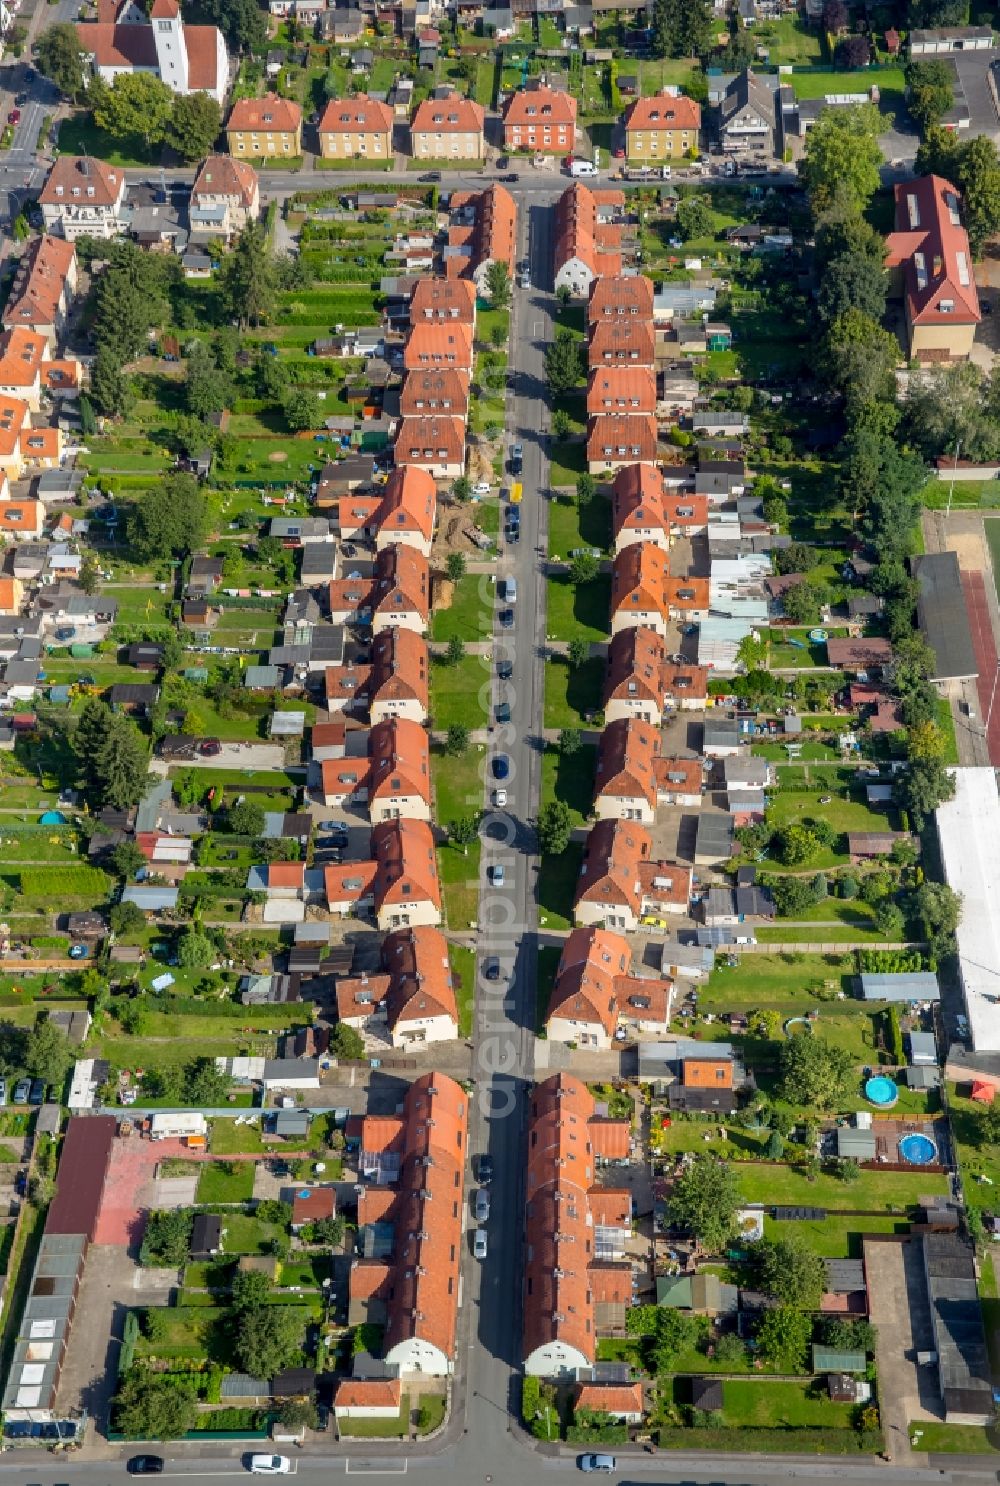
x: 463, y: 973
x: 818, y: 83
x: 458, y: 784
x: 572, y: 525
x: 567, y: 463
x: 460, y: 693
x: 470, y: 613
x: 779, y: 981
x: 459, y: 874
x: 191, y: 1331
x: 936, y: 1438
x: 230, y: 1139
x: 842, y: 814
x: 756, y: 1403
x: 975, y: 1158
x: 570, y: 780
x: 789, y: 40
x: 573, y: 694
x: 548, y: 964
x: 875, y: 1190
x: 225, y: 1182
x: 557, y: 883
x: 578, y: 610
x: 79, y: 135
x: 378, y: 1429
x: 837, y: 1236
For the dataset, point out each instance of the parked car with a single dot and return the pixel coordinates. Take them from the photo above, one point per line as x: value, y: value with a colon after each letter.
x: 269, y: 1465
x: 432, y: 177
x: 500, y: 799
x: 336, y: 828
x: 145, y: 1465
x: 485, y: 1164
x: 210, y: 747
x: 505, y: 669
x: 513, y: 177
x: 597, y: 1463
x: 480, y: 1243
x: 481, y: 487
x: 21, y: 1091
x: 14, y: 117
x: 491, y: 967
x: 517, y: 459
x: 497, y: 875
x: 506, y: 618
x: 503, y: 712
x: 37, y: 1093
x: 3, y: 1090
x: 501, y: 770
x: 481, y: 1205
x: 65, y: 633
x: 513, y: 533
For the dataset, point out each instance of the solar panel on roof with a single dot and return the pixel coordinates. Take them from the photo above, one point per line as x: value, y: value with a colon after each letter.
x: 799, y: 1214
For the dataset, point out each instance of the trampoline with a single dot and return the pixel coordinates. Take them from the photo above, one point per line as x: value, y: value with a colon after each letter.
x: 881, y: 1091
x: 52, y: 818
x: 918, y: 1150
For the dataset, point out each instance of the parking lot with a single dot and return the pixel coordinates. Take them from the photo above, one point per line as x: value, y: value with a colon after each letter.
x: 977, y: 74
x: 900, y: 1311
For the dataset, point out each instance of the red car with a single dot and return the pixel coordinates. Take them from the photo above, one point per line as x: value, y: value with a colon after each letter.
x: 210, y: 748
x: 14, y: 117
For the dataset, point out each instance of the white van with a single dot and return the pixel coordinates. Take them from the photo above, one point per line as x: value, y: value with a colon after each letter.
x: 582, y: 167
x: 510, y: 590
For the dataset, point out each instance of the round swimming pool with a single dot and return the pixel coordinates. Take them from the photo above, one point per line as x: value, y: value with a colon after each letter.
x: 918, y: 1150
x: 52, y: 818
x: 818, y: 636
x: 881, y: 1091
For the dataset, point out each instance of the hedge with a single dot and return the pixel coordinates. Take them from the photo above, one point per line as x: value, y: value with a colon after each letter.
x: 531, y: 1397
x: 774, y: 1441
x: 64, y: 882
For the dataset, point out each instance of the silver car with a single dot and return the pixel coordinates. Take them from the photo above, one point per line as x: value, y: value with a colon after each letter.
x: 481, y: 1205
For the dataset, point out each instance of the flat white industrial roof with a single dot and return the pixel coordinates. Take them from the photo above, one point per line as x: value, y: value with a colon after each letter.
x: 969, y: 832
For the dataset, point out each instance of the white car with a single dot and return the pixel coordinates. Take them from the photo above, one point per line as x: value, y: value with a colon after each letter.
x: 270, y: 1465
x: 481, y: 487
x: 500, y: 798
x: 497, y: 875
x: 479, y: 1243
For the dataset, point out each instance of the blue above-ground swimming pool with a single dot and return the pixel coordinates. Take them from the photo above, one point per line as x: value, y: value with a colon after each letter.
x: 881, y: 1091
x: 52, y: 818
x: 918, y: 1150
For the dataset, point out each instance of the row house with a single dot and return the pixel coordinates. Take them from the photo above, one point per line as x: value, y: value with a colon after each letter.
x: 396, y: 593
x: 26, y: 371
x: 618, y: 439
x: 640, y: 578
x: 587, y: 238
x: 433, y: 392
x: 398, y: 885
x: 435, y: 444
x: 394, y: 684
x: 24, y: 447
x: 620, y: 298
x: 439, y: 348
x: 619, y: 882
x: 576, y: 1269
x: 443, y: 302
x: 633, y: 779
x: 622, y: 342
x: 595, y: 1001
x: 411, y: 1000
x: 43, y: 289
x: 539, y: 120
x: 392, y: 776
x: 357, y: 128
x: 621, y: 389
x: 448, y: 128
x: 402, y: 513
x: 412, y: 1168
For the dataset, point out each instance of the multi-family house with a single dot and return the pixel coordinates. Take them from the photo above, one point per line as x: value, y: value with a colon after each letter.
x: 619, y: 882
x: 399, y: 684
x: 618, y: 439
x: 439, y: 347
x: 931, y: 263
x: 412, y: 1170
x: 621, y: 342
x: 43, y: 288
x: 621, y: 389
x: 224, y: 198
x: 404, y: 511
x: 431, y: 392
x: 84, y: 197
x: 397, y: 592
x: 638, y: 499
x: 448, y: 128
x: 356, y: 128
x: 392, y: 777
x: 440, y: 301
x: 587, y: 238
x: 539, y: 120
x: 576, y: 1267
x: 620, y: 298
x: 661, y: 128
x: 435, y: 444
x: 640, y: 578
x: 595, y: 1001
x: 406, y: 888
x: 270, y: 126
x: 625, y: 782
x: 412, y: 1000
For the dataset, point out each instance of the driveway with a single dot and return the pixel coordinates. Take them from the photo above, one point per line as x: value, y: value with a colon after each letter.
x: 256, y: 756
x: 977, y: 72
x: 900, y: 1310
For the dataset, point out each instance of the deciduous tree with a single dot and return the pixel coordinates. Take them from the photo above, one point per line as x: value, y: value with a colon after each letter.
x: 704, y: 1200
x: 60, y: 57
x: 842, y: 154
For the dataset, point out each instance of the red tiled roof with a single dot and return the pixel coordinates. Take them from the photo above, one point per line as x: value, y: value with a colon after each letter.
x: 495, y: 236
x: 686, y: 595
x: 79, y: 175
x: 576, y: 231
x: 40, y: 282
x: 409, y: 503
x: 399, y: 754
x: 445, y: 300
x: 357, y: 115
x: 416, y: 960
x: 626, y: 762
x: 621, y: 297
x: 933, y: 248
x: 640, y: 577
x: 399, y: 668
x: 635, y: 662
x: 203, y: 59
x: 270, y: 115
x: 368, y: 1393
x: 621, y: 342
x: 401, y: 581
x: 430, y: 439
x: 612, y: 857
x: 663, y: 112
x: 439, y: 346
x: 436, y: 389
x: 584, y: 989
x: 113, y: 45
x: 451, y: 115
x: 221, y: 175
x: 621, y: 389
x: 286, y: 874
x: 536, y: 107
x: 637, y: 495
x: 407, y: 864
x: 616, y: 436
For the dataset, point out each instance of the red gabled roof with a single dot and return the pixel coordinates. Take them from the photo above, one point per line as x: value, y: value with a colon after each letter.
x: 536, y: 107
x: 221, y: 175
x: 639, y: 580
x: 357, y: 115
x: 399, y: 668
x: 399, y: 755
x: 626, y: 761
x: 621, y: 297
x: 662, y: 112
x: 619, y: 389
x: 269, y: 115
x: 635, y: 664
x: 614, y: 852
x: 451, y: 115
x: 40, y: 282
x: 637, y: 495
x: 617, y: 436
x: 407, y: 864
x: 933, y: 248
x: 444, y: 299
